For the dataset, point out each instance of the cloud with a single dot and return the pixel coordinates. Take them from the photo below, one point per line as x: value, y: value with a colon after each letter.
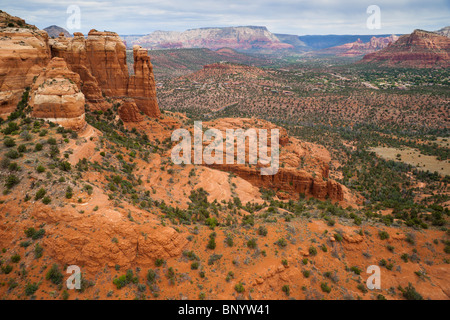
x: 280, y: 16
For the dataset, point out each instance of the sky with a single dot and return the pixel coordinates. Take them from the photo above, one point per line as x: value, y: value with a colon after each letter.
x: 300, y: 17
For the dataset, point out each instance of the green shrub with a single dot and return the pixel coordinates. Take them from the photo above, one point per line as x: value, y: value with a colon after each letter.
x: 286, y: 289
x: 9, y: 142
x: 54, y: 275
x: 383, y: 235
x: 262, y: 231
x: 31, y: 288
x: 282, y: 242
x: 151, y: 275
x: 7, y: 269
x: 38, y: 147
x: 15, y: 258
x: 356, y: 270
x: 325, y: 288
x: 11, y: 181
x: 40, y: 194
x: 410, y: 293
x: 12, y: 154
x: 251, y: 243
x: 46, y: 200
x: 40, y: 168
x: 239, y: 287
x: 312, y: 251
x: 38, y: 250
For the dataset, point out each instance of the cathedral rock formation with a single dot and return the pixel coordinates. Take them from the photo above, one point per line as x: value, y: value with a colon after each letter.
x: 142, y: 84
x: 24, y: 51
x: 55, y: 96
x: 99, y: 59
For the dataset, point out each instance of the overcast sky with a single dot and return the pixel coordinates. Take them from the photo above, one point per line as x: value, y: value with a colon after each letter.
x: 299, y: 17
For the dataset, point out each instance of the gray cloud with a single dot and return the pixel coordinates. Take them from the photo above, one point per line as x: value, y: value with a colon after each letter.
x: 280, y: 16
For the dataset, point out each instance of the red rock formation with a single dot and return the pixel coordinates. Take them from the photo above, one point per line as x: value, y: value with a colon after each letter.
x: 100, y: 59
x: 23, y: 54
x: 142, y: 85
x: 106, y: 58
x: 420, y: 49
x: 55, y: 96
x: 73, y: 50
x: 129, y: 112
x: 311, y: 180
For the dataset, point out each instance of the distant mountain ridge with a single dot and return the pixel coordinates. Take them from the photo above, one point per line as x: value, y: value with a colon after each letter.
x: 357, y: 48
x: 245, y: 38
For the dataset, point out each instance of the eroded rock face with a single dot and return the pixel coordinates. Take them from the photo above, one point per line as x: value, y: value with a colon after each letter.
x: 100, y: 59
x: 420, y: 49
x: 142, y: 85
x: 129, y: 112
x: 23, y: 54
x: 73, y: 50
x: 303, y: 166
x: 55, y: 96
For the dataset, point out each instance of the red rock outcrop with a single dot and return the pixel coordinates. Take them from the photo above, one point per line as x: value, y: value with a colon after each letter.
x: 419, y: 49
x: 73, y: 50
x: 24, y: 51
x: 100, y: 59
x: 142, y: 85
x: 55, y: 96
x: 129, y: 112
x: 303, y: 167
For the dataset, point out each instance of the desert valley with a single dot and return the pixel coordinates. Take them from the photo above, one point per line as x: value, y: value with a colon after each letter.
x: 87, y: 178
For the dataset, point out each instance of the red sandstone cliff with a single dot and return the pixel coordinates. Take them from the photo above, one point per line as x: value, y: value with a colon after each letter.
x: 24, y: 51
x: 142, y: 85
x: 56, y: 96
x: 100, y: 59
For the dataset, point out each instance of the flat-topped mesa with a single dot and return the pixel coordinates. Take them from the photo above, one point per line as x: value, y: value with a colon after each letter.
x: 56, y: 96
x: 24, y: 51
x: 142, y: 87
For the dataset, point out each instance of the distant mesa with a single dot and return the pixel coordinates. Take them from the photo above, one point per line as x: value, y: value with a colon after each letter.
x: 420, y: 49
x: 246, y: 38
x: 358, y: 48
x: 55, y: 31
